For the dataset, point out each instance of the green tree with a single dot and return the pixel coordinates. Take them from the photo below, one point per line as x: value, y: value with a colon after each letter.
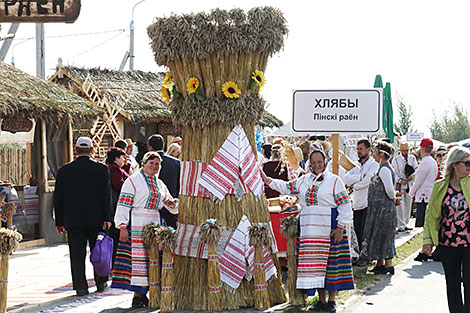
x: 405, y: 114
x: 451, y: 126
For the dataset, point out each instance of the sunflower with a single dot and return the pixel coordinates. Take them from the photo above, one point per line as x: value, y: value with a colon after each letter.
x: 165, y: 94
x: 192, y: 85
x: 230, y: 90
x: 168, y: 79
x: 258, y: 77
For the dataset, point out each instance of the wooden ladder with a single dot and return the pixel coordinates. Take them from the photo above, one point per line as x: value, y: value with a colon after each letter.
x: 105, y: 124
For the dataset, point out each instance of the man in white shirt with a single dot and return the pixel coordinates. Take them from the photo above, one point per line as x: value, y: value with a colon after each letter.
x: 359, y: 178
x: 403, y: 184
x: 424, y: 180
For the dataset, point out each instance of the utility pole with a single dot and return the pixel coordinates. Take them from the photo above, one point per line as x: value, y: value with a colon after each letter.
x: 131, y: 47
x: 8, y: 39
x: 40, y: 52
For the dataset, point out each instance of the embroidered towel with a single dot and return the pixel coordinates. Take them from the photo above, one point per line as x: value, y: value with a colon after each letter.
x: 234, y: 159
x: 237, y: 261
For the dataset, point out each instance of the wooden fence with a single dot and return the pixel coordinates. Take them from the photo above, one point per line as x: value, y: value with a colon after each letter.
x: 14, y: 165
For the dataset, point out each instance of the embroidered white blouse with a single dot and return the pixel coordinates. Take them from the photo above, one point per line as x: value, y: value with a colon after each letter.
x: 326, y: 190
x: 136, y: 192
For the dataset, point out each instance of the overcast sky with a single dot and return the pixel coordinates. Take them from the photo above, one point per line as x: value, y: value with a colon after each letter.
x: 420, y: 47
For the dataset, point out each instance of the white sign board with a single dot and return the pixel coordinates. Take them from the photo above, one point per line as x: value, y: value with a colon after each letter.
x: 337, y: 111
x: 414, y: 136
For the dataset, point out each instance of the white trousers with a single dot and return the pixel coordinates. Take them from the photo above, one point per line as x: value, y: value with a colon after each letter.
x: 404, y: 211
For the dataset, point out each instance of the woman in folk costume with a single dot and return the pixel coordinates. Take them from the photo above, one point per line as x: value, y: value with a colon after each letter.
x: 379, y: 231
x: 324, y: 257
x: 142, y: 196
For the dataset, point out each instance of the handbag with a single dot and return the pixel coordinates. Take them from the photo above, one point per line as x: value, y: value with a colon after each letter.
x: 102, y: 255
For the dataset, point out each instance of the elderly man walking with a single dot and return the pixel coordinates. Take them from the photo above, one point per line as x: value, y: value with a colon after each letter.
x: 82, y: 207
x: 404, y: 166
x: 424, y: 180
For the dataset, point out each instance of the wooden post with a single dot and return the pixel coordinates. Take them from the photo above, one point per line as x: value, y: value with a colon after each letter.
x: 335, y: 154
x: 44, y: 154
x: 70, y: 141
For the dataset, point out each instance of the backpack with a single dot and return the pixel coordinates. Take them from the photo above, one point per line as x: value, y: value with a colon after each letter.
x: 102, y: 255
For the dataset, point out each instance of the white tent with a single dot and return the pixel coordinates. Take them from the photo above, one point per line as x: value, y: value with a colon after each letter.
x: 286, y: 132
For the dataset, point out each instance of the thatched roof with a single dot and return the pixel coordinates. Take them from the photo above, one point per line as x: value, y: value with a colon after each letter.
x: 142, y: 89
x: 261, y: 30
x: 26, y: 96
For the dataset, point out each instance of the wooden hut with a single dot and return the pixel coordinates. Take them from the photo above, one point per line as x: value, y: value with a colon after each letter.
x: 27, y: 102
x: 134, y: 107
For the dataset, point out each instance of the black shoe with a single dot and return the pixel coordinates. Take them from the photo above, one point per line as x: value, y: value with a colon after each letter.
x: 422, y: 257
x: 100, y: 287
x: 436, y: 257
x: 331, y: 306
x: 145, y: 300
x: 319, y: 307
x: 362, y: 263
x: 82, y: 292
x: 137, y: 302
x: 376, y: 268
x: 385, y: 270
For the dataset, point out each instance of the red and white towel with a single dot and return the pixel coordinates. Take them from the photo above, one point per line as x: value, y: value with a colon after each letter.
x: 239, y: 253
x: 233, y: 160
x: 189, y: 243
x: 190, y: 173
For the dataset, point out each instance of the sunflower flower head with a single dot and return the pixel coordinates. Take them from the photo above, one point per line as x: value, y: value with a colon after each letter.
x: 192, y: 85
x: 165, y: 94
x: 231, y: 90
x: 168, y: 79
x: 258, y: 77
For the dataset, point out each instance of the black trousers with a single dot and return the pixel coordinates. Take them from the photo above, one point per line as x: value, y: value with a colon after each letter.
x: 359, y: 223
x: 78, y: 239
x: 420, y: 213
x: 456, y: 263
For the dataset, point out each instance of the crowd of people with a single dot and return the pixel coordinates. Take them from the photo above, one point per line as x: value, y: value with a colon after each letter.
x: 367, y: 204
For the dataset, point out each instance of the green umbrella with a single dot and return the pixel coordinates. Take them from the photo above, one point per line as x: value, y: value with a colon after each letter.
x: 378, y: 82
x: 388, y: 113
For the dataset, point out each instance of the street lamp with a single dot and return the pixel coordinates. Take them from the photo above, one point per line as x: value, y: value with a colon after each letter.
x: 131, y: 28
x: 13, y: 50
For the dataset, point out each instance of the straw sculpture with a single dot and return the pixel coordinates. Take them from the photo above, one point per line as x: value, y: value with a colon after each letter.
x: 149, y: 238
x: 167, y: 240
x: 259, y: 237
x: 9, y: 209
x: 217, y: 48
x: 9, y: 241
x: 210, y: 234
x: 289, y: 230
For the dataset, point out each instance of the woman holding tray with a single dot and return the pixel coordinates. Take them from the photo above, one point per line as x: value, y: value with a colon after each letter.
x: 142, y: 196
x: 326, y: 210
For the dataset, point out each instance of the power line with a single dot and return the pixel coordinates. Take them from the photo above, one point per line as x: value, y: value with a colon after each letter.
x: 97, y: 46
x: 75, y: 35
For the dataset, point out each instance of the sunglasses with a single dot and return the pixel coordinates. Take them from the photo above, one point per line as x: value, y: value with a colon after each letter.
x: 440, y: 155
x: 467, y: 163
